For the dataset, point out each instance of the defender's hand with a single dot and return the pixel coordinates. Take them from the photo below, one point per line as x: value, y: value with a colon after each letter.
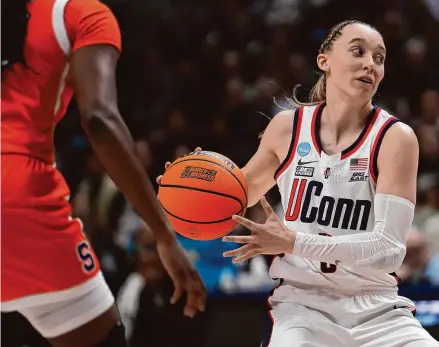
x: 168, y: 164
x: 184, y: 276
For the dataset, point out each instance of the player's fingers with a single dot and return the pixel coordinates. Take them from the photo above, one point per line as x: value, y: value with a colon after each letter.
x: 191, y: 305
x: 194, y: 299
x: 167, y: 164
x: 198, y: 149
x: 245, y: 222
x: 237, y: 251
x: 203, y: 296
x: 200, y: 291
x: 178, y: 292
x: 159, y: 179
x: 238, y: 239
x: 246, y: 256
x: 202, y: 300
x: 266, y: 206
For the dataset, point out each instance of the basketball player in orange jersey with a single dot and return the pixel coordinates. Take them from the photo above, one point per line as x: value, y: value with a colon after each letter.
x: 50, y: 274
x: 346, y: 172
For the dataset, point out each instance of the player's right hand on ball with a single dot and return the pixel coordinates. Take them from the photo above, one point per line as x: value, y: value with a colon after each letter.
x: 184, y: 276
x: 168, y: 164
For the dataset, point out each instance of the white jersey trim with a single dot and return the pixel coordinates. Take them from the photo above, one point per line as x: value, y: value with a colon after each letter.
x: 58, y: 318
x: 59, y: 26
x: 52, y: 297
x: 61, y: 88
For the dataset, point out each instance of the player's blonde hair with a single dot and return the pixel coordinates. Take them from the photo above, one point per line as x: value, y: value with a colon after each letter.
x: 317, y: 94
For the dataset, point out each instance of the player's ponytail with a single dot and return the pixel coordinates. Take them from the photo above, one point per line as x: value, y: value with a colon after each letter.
x: 14, y: 30
x: 317, y: 94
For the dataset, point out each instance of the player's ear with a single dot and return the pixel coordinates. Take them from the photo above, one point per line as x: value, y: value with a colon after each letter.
x: 323, y: 62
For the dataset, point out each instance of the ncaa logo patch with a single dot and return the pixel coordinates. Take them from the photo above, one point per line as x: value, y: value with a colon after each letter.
x: 303, y: 149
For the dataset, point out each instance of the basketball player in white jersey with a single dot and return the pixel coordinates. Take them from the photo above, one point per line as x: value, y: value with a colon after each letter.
x: 346, y: 171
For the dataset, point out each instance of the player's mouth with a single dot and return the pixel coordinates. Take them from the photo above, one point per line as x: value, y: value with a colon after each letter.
x: 366, y: 80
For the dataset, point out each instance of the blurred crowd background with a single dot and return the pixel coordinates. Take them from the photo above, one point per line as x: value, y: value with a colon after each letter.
x: 211, y: 74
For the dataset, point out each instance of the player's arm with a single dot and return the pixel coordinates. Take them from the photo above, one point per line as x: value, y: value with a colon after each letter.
x: 95, y: 38
x: 384, y: 247
x: 260, y: 169
x: 93, y: 71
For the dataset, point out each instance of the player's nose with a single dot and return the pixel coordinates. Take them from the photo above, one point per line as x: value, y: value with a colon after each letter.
x: 368, y: 63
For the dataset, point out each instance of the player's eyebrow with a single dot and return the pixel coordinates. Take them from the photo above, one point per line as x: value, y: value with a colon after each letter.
x: 359, y: 39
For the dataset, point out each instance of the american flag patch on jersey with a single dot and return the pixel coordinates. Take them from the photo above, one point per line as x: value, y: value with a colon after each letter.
x: 358, y: 164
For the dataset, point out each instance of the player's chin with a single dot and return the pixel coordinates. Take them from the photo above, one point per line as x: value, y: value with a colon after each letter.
x: 362, y: 92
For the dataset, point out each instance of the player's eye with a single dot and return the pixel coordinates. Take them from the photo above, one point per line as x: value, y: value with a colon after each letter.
x: 357, y: 51
x: 379, y: 58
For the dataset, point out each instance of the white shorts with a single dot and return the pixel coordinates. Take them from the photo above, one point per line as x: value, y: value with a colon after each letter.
x: 311, y: 320
x: 55, y: 314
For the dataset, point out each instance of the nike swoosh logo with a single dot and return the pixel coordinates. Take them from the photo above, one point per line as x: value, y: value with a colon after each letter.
x: 300, y: 162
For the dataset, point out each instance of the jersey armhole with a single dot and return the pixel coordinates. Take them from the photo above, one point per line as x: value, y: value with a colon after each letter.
x: 59, y: 26
x: 297, y: 123
x: 373, y: 164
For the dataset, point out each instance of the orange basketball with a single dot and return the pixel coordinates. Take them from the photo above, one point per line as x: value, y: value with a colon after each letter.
x: 200, y: 192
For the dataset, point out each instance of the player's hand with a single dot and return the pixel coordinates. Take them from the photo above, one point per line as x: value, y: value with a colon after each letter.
x: 168, y: 164
x: 184, y: 276
x: 272, y: 237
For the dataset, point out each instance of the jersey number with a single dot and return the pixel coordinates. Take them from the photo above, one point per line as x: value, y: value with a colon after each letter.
x: 85, y: 256
x: 325, y: 267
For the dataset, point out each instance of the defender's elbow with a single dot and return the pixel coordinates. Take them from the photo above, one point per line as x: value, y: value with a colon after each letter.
x: 99, y: 120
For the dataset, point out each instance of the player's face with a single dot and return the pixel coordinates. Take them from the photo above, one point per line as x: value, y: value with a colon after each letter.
x: 356, y: 62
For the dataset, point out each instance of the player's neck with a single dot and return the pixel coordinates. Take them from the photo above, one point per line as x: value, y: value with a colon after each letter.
x: 341, y: 115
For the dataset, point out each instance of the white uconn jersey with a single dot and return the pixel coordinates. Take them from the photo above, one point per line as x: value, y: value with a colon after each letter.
x: 330, y: 195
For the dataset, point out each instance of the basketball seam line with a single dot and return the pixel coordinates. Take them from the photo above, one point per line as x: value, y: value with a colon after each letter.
x: 230, y: 172
x: 204, y: 191
x: 195, y: 222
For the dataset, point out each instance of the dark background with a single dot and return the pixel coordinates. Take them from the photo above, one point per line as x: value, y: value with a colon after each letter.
x: 211, y: 74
